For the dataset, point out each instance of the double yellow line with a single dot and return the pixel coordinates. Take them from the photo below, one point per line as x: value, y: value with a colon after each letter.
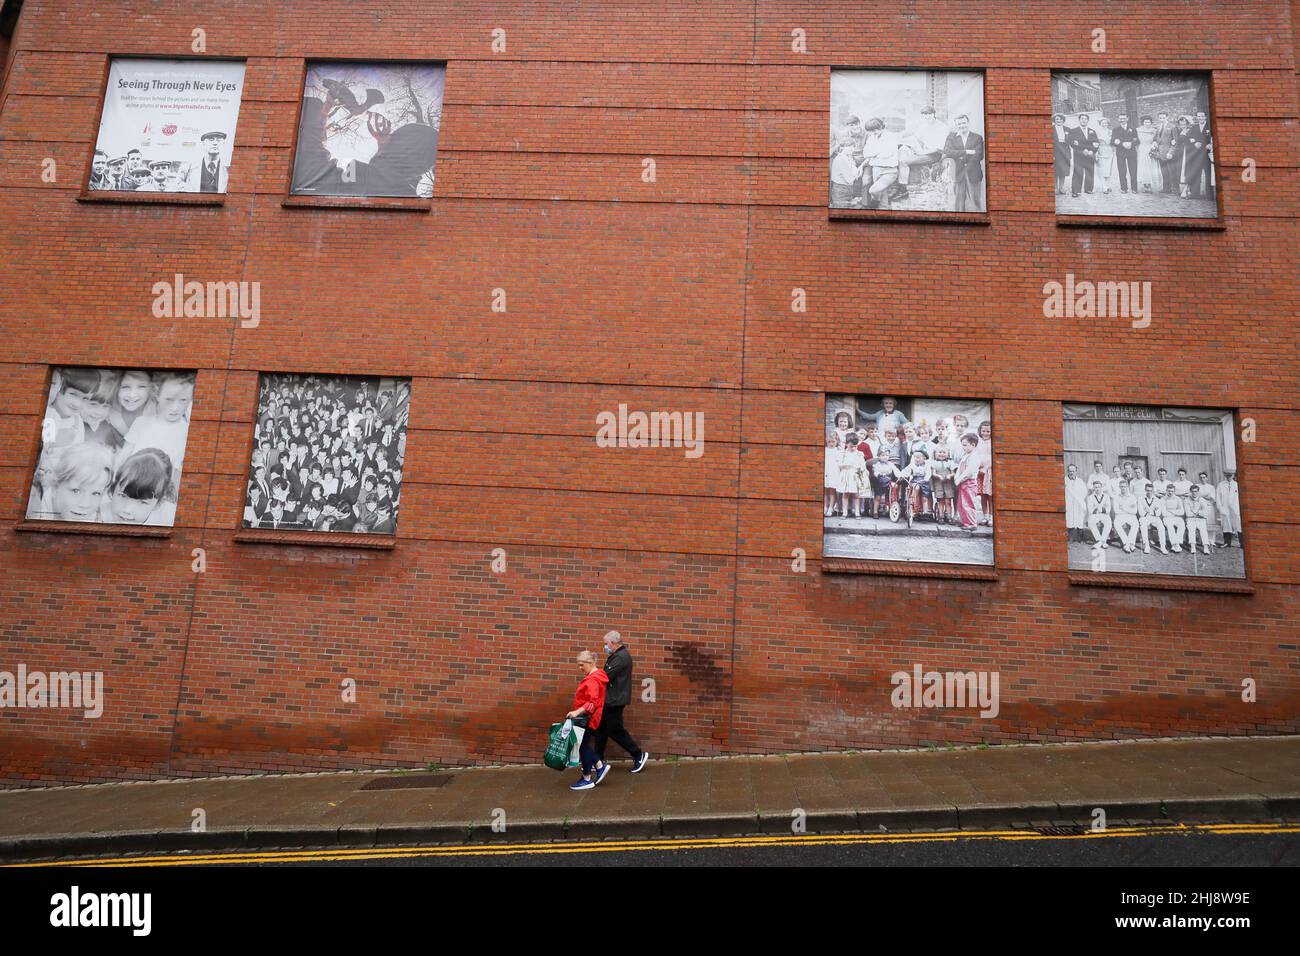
x: 655, y: 844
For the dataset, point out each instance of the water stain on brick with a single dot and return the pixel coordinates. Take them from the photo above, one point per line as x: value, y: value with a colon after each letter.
x: 699, y: 667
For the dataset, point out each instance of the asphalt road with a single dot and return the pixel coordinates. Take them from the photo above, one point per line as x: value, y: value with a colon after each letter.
x: 1190, y: 846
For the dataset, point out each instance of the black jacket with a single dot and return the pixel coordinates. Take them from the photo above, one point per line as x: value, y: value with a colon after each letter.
x: 619, y: 668
x: 1085, y: 146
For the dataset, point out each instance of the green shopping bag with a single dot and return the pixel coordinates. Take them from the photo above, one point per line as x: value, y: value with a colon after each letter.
x: 560, y: 745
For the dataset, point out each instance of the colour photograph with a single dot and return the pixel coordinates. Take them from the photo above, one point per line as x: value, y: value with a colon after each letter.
x: 908, y: 479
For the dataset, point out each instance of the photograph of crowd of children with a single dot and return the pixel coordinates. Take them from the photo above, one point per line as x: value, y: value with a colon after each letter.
x: 908, y: 479
x: 328, y: 453
x: 1133, y: 145
x: 112, y: 446
x: 369, y: 129
x: 1152, y: 490
x: 911, y: 140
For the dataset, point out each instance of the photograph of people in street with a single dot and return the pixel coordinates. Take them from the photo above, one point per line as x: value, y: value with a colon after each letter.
x: 1152, y: 490
x: 369, y: 129
x: 112, y: 446
x: 1133, y: 144
x: 327, y: 453
x: 907, y: 139
x: 908, y: 479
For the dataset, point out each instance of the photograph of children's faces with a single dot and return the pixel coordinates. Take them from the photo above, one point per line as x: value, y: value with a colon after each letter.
x: 1152, y: 490
x: 907, y: 140
x: 112, y: 446
x: 328, y: 453
x: 369, y: 129
x: 1129, y: 144
x: 908, y: 479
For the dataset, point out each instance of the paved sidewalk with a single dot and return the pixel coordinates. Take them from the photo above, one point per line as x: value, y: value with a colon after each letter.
x: 1202, y: 780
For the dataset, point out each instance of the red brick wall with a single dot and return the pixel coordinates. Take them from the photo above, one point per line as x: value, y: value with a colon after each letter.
x: 666, y: 295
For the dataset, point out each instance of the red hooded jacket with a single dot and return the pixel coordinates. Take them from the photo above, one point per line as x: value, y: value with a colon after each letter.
x: 590, y: 696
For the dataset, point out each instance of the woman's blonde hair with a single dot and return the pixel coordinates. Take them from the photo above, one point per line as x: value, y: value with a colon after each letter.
x: 586, y: 657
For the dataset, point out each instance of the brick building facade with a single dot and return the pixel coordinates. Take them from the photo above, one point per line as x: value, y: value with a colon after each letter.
x: 667, y: 294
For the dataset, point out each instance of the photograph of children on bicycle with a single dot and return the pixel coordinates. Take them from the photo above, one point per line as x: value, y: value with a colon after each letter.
x: 908, y: 479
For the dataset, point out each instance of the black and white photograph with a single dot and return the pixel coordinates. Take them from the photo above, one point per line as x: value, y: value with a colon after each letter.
x: 369, y: 129
x: 1133, y: 144
x: 908, y: 479
x: 168, y: 126
x: 1152, y: 490
x: 908, y: 140
x: 328, y: 453
x: 112, y: 446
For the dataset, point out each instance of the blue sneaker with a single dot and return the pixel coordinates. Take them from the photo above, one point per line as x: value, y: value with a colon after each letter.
x: 583, y: 784
x: 640, y: 763
x: 600, y: 774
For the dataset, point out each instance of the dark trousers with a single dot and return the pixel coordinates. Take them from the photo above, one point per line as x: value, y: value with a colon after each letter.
x: 611, y: 726
x: 1199, y: 175
x: 587, y: 749
x: 1127, y: 161
x: 967, y: 194
x: 1169, y: 173
x: 1082, y: 178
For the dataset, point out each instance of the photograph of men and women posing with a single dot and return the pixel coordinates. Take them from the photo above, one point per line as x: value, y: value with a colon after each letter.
x: 908, y: 479
x: 112, y: 446
x: 1152, y: 490
x: 910, y: 140
x: 328, y: 453
x: 1129, y: 144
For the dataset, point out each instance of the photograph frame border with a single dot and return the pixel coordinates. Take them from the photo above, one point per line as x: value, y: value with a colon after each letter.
x: 299, y: 536
x: 36, y: 446
x: 1078, y: 220
x: 1164, y: 582
x: 946, y: 217
x: 832, y: 564
x: 291, y: 200
x: 86, y: 194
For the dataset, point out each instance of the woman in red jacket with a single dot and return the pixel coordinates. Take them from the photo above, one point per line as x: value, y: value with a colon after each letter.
x: 588, y: 705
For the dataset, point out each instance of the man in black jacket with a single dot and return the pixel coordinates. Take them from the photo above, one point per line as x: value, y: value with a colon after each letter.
x: 966, y: 149
x: 1084, y: 144
x: 618, y: 666
x: 1125, y: 141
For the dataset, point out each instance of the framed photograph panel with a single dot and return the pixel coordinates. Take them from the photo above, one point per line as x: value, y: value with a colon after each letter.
x: 168, y: 126
x: 327, y: 453
x: 1133, y: 144
x: 369, y: 129
x: 112, y: 446
x: 1152, y: 490
x: 907, y: 140
x: 908, y: 479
